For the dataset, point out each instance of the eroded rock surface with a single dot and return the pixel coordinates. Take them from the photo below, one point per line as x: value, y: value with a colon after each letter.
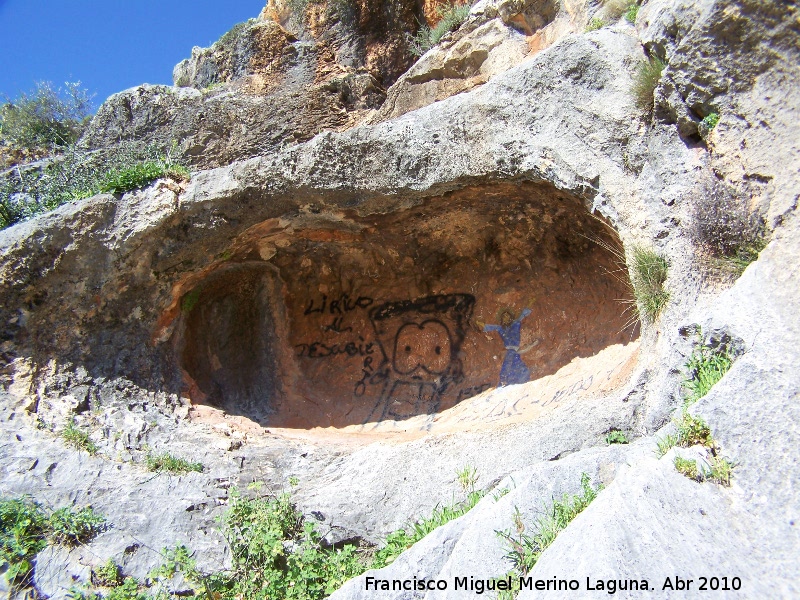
x: 216, y: 320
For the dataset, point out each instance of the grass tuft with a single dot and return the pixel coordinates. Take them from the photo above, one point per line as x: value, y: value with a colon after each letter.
x: 647, y: 76
x: 720, y: 471
x: 78, y: 439
x: 402, y: 539
x: 693, y: 430
x: 649, y: 272
x: 705, y: 368
x: 666, y: 443
x: 686, y: 467
x: 167, y: 463
x: 525, y: 550
x: 631, y: 12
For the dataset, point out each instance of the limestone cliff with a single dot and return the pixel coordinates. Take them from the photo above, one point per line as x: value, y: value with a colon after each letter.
x: 318, y: 301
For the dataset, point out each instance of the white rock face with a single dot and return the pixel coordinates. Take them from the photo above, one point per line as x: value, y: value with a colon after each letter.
x: 564, y: 116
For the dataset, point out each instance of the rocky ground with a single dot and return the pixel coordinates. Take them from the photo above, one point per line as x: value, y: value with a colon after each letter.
x: 180, y: 318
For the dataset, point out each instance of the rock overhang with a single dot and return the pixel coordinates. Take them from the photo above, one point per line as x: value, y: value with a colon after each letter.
x: 161, y: 244
x: 325, y: 317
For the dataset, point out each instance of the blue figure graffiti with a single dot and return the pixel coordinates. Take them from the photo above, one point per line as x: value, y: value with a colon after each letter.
x: 514, y: 369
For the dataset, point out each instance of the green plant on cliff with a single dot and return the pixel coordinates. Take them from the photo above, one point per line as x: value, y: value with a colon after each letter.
x: 631, y: 13
x: 78, y: 438
x: 76, y: 174
x: 648, y: 271
x: 616, y: 437
x: 274, y: 548
x: 525, y: 549
x: 704, y: 368
x: 167, y: 463
x: 451, y: 17
x: 48, y: 117
x: 727, y: 233
x: 595, y: 24
x: 132, y: 177
x: 26, y: 526
x: 708, y: 124
x: 645, y: 81
x: 402, y: 539
x: 686, y: 467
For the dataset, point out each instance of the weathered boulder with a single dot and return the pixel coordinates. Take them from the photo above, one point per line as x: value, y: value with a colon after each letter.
x: 185, y: 319
x: 498, y: 35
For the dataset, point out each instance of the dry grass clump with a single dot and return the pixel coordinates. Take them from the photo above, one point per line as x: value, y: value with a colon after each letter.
x: 645, y: 82
x: 452, y: 16
x: 649, y: 271
x: 727, y: 233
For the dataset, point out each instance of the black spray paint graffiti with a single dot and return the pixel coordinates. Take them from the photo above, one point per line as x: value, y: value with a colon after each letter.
x: 338, y: 307
x: 343, y: 304
x: 420, y: 342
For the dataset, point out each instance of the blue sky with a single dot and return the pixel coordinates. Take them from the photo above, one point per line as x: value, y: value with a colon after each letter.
x: 107, y: 45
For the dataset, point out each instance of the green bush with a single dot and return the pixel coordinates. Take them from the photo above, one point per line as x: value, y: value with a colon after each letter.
x: 70, y: 528
x: 77, y: 174
x: 595, y: 24
x: 645, y: 82
x: 167, y: 463
x: 129, y: 590
x: 274, y: 548
x: 26, y: 526
x: 707, y: 124
x: 616, y: 437
x: 648, y: 272
x: 125, y: 179
x: 108, y: 574
x: 23, y: 534
x: 45, y: 118
x: 631, y: 12
x: 78, y: 439
x: 452, y: 16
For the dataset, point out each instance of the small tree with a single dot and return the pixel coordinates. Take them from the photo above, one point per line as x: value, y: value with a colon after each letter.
x: 45, y: 118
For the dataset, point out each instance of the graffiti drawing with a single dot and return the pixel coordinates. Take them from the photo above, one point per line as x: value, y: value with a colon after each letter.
x: 514, y: 369
x: 420, y: 341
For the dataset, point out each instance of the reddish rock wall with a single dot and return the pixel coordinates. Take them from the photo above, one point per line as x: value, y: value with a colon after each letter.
x: 331, y: 319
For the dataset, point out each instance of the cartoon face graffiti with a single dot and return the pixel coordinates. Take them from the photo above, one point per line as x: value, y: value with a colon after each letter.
x: 420, y: 341
x: 422, y: 350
